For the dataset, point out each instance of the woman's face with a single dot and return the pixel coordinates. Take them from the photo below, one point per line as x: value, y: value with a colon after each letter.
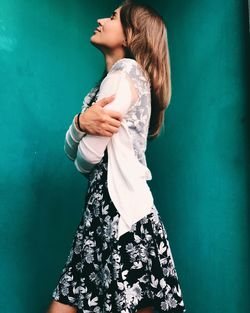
x: 109, y: 35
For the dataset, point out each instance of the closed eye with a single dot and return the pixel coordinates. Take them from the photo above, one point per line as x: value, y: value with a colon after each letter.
x: 113, y: 14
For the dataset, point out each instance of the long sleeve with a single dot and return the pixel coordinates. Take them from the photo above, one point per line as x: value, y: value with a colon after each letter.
x: 73, y: 134
x: 72, y: 139
x: 91, y: 147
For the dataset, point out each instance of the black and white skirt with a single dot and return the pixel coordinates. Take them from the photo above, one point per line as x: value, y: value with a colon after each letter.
x: 103, y: 274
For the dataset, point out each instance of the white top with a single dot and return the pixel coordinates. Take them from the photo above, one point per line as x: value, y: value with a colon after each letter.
x: 127, y: 176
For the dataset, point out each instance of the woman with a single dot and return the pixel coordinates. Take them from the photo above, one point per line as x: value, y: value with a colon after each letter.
x: 120, y: 260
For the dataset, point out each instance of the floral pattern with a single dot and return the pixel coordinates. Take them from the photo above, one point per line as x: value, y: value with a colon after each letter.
x: 104, y: 274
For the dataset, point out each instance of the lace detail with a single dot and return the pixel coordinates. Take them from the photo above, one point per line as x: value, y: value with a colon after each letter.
x: 138, y: 116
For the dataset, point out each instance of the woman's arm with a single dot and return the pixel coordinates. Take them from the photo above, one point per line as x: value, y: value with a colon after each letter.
x: 91, y: 148
x: 72, y: 139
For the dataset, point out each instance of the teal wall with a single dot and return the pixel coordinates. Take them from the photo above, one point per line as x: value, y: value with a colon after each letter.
x: 205, y: 162
x: 47, y: 66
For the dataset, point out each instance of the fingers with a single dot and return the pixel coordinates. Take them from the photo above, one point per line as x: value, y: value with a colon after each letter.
x: 107, y: 134
x: 112, y: 129
x: 106, y: 100
x: 108, y: 121
x: 114, y: 116
x: 110, y: 126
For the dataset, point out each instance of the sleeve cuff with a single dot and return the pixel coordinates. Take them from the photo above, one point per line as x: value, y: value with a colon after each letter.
x: 75, y: 132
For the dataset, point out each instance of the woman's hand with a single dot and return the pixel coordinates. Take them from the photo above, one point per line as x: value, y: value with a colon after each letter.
x: 97, y: 121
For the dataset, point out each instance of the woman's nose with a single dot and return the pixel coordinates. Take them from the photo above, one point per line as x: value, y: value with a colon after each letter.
x: 101, y: 21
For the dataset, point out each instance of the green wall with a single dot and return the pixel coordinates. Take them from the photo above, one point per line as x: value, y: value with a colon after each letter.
x: 47, y: 66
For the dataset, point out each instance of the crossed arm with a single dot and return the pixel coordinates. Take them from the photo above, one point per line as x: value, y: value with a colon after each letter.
x: 87, y: 150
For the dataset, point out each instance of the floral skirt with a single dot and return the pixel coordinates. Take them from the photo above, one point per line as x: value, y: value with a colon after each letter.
x: 104, y: 274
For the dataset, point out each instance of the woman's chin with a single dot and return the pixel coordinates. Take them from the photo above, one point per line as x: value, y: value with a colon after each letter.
x: 94, y: 42
x: 93, y: 37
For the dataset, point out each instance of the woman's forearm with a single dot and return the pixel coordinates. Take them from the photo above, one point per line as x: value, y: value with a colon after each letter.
x: 82, y: 124
x: 72, y: 139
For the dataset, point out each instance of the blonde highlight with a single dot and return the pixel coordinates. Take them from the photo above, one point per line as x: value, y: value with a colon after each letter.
x: 147, y: 43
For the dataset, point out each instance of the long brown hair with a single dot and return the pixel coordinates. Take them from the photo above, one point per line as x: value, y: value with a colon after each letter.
x: 147, y: 43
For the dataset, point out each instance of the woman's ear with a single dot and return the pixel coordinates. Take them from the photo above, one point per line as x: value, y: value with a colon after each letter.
x: 125, y: 43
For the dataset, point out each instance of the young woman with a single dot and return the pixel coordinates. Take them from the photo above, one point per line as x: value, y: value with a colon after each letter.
x: 120, y: 260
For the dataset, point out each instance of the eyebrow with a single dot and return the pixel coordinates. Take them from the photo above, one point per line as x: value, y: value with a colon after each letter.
x: 114, y: 13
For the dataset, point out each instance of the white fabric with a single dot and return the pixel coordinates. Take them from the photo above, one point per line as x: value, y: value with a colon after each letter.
x: 126, y: 176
